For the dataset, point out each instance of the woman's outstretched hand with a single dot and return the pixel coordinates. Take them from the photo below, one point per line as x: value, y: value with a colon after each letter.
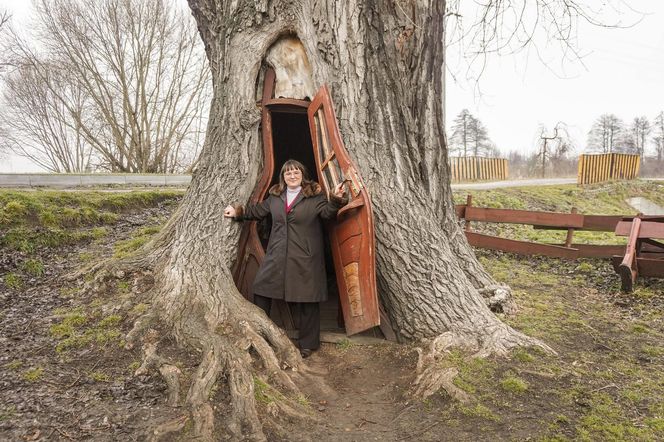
x: 339, y: 190
x: 229, y: 212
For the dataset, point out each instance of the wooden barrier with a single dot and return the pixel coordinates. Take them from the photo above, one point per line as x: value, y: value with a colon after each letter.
x: 478, y: 169
x: 541, y: 220
x: 596, y: 168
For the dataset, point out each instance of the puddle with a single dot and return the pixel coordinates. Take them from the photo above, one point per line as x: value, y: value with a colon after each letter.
x: 645, y: 206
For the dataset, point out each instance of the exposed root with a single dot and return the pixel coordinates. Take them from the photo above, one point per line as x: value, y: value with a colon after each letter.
x: 169, y: 372
x: 269, y: 359
x: 432, y: 375
x: 498, y: 298
x: 140, y: 326
x: 172, y: 426
x: 434, y: 370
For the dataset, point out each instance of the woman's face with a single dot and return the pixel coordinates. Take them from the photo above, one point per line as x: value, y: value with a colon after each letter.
x: 293, y: 178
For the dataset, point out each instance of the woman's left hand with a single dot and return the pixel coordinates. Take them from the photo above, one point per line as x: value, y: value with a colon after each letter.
x: 339, y: 190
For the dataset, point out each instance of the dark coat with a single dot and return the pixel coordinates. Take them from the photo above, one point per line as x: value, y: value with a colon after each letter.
x: 294, y: 264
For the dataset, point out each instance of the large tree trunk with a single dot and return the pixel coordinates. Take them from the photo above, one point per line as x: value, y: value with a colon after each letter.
x: 384, y: 64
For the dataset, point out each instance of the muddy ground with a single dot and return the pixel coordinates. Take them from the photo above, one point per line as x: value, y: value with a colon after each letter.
x: 64, y: 374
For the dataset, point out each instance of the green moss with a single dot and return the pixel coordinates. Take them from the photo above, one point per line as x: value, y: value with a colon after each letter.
x: 7, y: 413
x: 514, y: 384
x: 522, y: 355
x: 77, y: 330
x: 344, y: 344
x: 479, y: 411
x: 99, y: 376
x: 138, y: 309
x: 13, y: 281
x: 33, y: 374
x: 606, y: 420
x: 134, y: 366
x: 14, y: 365
x: 140, y: 238
x: 640, y: 328
x: 99, y: 232
x: 33, y: 267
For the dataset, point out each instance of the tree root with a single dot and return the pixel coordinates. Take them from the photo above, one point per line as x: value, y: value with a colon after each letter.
x: 169, y: 372
x: 434, y: 370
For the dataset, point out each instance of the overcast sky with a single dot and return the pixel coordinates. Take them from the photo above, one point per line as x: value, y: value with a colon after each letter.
x: 622, y: 72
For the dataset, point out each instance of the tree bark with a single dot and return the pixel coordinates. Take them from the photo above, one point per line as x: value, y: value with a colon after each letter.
x: 384, y: 64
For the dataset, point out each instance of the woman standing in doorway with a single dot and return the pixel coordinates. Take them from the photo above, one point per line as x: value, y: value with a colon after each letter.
x: 294, y: 264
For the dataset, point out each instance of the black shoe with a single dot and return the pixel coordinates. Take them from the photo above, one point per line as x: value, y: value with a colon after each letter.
x: 305, y: 352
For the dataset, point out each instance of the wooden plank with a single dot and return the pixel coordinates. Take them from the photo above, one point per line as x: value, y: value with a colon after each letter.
x: 601, y: 223
x: 649, y: 229
x: 598, y: 250
x: 565, y: 220
x: 519, y: 247
x: 650, y: 267
x: 460, y: 210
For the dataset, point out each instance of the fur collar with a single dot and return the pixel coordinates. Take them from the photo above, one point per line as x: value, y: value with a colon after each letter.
x: 309, y: 189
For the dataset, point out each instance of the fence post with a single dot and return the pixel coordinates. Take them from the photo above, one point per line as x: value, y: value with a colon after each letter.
x: 469, y: 204
x: 570, y: 232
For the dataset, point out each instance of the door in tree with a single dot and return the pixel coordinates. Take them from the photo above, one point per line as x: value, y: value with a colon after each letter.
x: 352, y: 235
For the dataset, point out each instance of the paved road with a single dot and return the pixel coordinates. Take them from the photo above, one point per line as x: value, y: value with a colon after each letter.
x: 514, y: 183
x: 82, y: 180
x: 76, y: 180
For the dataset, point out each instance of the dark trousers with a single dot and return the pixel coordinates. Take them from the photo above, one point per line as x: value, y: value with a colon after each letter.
x: 306, y: 316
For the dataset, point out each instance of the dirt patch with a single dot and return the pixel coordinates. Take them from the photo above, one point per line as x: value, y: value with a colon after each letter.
x: 85, y: 392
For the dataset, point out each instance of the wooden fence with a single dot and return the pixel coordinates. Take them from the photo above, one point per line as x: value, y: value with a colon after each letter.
x: 478, y: 169
x: 595, y: 168
x: 643, y: 255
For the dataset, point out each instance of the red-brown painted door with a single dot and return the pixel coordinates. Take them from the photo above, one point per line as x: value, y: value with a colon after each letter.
x: 352, y: 235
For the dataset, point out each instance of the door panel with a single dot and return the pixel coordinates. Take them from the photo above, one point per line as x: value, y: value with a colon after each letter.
x: 352, y: 235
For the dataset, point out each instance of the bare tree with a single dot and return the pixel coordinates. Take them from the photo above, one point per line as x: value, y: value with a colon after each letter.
x: 470, y: 136
x: 460, y: 140
x: 39, y: 126
x: 383, y: 62
x: 605, y: 134
x: 658, y: 139
x: 553, y: 146
x: 636, y: 137
x: 140, y: 78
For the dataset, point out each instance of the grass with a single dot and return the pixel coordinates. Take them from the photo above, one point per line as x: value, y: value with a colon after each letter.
x: 141, y: 237
x: 345, y: 344
x: 13, y: 281
x: 33, y: 374
x: 78, y: 329
x: 605, y: 383
x: 33, y: 267
x: 51, y: 219
x: 513, y: 384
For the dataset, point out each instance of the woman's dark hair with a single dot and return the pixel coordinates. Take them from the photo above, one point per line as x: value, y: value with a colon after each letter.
x: 309, y: 187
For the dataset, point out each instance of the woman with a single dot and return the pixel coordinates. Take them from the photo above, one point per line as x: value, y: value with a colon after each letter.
x: 294, y: 264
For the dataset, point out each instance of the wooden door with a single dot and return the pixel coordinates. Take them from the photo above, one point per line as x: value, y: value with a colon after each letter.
x: 352, y: 235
